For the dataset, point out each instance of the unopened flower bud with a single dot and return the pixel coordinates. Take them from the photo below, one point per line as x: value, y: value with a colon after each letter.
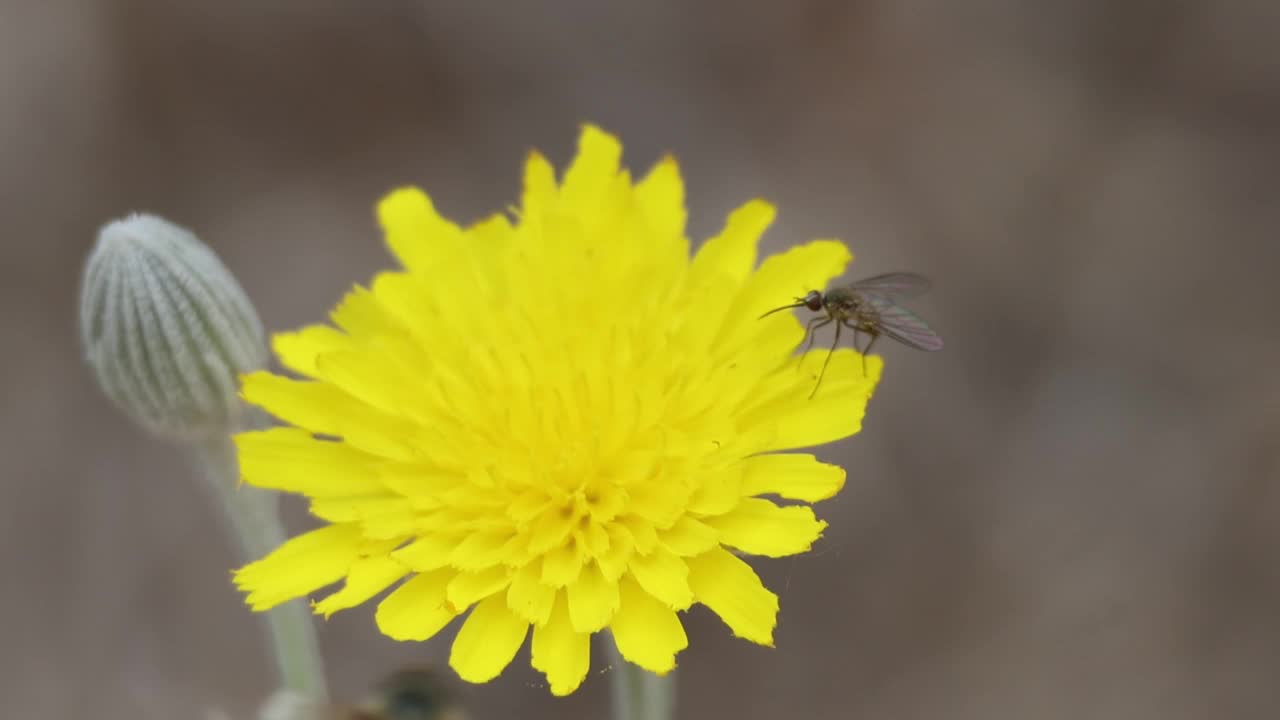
x: 166, y: 328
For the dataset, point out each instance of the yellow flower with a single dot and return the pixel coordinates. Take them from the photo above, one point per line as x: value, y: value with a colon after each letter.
x: 560, y: 422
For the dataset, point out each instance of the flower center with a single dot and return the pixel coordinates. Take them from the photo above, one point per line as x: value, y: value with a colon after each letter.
x: 578, y: 469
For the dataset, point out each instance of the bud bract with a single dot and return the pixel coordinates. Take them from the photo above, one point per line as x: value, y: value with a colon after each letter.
x: 166, y: 328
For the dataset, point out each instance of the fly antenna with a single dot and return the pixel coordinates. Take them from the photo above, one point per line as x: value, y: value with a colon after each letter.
x: 799, y: 303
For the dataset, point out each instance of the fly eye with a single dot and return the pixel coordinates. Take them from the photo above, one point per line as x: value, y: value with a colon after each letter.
x: 813, y: 300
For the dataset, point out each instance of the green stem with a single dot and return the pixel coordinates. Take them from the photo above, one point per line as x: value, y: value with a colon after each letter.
x: 637, y: 693
x: 254, y: 519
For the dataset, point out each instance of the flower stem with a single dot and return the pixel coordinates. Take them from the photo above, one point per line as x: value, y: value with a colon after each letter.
x: 639, y: 694
x: 253, y: 518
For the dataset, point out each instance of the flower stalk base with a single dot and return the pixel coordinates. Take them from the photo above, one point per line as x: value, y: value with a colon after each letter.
x: 637, y: 693
x: 254, y: 521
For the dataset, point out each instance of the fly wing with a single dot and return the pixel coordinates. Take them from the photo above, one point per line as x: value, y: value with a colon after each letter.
x: 894, y: 285
x: 905, y: 326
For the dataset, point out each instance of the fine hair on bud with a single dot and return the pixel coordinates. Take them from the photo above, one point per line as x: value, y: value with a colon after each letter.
x: 166, y: 328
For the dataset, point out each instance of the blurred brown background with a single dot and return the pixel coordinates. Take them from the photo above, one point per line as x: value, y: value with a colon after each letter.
x: 1073, y: 511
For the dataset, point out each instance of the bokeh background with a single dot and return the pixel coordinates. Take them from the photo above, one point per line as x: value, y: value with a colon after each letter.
x: 1072, y: 511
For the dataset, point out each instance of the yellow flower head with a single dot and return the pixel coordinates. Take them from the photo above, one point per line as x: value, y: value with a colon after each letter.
x: 560, y: 422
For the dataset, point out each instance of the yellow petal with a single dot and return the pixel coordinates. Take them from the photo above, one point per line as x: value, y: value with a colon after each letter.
x: 716, y: 276
x: 372, y: 377
x: 562, y: 565
x: 487, y: 241
x: 488, y: 641
x: 663, y: 575
x: 591, y: 170
x: 793, y: 476
x: 302, y: 564
x: 661, y: 197
x: 613, y: 561
x: 414, y: 304
x: 367, y: 577
x: 292, y: 460
x: 415, y: 232
x: 481, y: 550
x: 468, y: 587
x: 765, y: 360
x: 615, y: 217
x: 648, y: 633
x: 794, y: 420
x: 592, y: 600
x: 551, y: 529
x: 490, y: 230
x: 781, y: 278
x: 529, y: 597
x: 595, y: 540
x: 660, y: 505
x: 539, y: 187
x: 759, y: 527
x: 643, y: 535
x: 417, y: 481
x: 361, y: 315
x: 608, y: 501
x: 561, y: 653
x: 326, y: 410
x: 689, y: 536
x: 732, y: 253
x: 298, y: 350
x: 380, y: 517
x: 427, y: 552
x: 416, y: 610
x: 717, y: 492
x: 732, y: 590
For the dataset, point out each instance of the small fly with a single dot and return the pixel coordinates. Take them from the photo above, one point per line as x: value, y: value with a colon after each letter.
x: 869, y: 306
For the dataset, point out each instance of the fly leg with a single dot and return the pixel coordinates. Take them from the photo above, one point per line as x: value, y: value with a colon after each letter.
x: 826, y: 362
x: 811, y: 332
x: 867, y: 351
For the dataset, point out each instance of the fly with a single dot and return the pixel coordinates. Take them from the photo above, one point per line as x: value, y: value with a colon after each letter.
x: 868, y: 306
